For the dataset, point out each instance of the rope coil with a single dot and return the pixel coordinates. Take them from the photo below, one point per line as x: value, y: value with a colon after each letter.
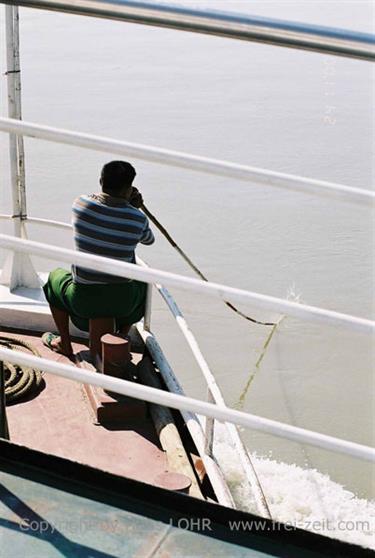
x: 20, y: 381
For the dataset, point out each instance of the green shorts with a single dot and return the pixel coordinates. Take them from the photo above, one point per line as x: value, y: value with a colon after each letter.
x: 125, y: 302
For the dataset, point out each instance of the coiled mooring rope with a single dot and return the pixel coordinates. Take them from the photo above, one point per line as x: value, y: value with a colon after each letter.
x: 173, y: 243
x: 20, y: 381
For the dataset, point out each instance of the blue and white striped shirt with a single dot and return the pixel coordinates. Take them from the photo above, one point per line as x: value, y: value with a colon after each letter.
x: 107, y: 226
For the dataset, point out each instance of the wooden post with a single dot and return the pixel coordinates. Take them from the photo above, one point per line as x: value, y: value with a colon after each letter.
x: 4, y: 431
x: 147, y: 316
x: 209, y: 428
x: 167, y: 431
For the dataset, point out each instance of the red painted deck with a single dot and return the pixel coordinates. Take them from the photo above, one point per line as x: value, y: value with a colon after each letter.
x: 60, y: 420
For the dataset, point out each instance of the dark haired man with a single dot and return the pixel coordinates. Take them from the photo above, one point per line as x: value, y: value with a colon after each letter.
x: 106, y: 224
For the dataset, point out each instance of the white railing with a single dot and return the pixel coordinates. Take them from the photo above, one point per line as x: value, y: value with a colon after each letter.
x: 213, y: 391
x: 151, y: 276
x: 214, y: 395
x: 192, y: 422
x: 188, y: 161
x: 280, y: 33
x: 341, y: 42
x: 213, y: 290
x: 175, y: 401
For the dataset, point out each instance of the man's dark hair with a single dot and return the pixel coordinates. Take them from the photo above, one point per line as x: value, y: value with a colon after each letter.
x: 117, y: 176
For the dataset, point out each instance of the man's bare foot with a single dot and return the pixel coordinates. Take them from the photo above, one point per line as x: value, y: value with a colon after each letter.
x: 57, y: 346
x: 54, y: 343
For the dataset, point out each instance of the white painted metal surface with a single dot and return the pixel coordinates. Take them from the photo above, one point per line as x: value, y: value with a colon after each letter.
x: 18, y: 270
x: 37, y: 221
x: 190, y: 162
x: 16, y: 151
x: 214, y: 290
x: 291, y: 34
x: 175, y: 401
x: 48, y: 223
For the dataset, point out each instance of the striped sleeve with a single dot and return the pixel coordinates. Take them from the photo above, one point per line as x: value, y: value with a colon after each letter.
x: 147, y: 236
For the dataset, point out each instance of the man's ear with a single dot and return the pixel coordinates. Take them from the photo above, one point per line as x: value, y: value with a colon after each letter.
x: 128, y: 193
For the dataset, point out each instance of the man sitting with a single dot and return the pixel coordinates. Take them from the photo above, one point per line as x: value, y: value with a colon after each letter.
x: 107, y: 224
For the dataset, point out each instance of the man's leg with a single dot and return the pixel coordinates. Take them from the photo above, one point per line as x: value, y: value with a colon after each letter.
x: 99, y: 327
x: 61, y: 318
x: 124, y: 329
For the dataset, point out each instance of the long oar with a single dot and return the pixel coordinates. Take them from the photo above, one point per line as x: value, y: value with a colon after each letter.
x: 194, y: 267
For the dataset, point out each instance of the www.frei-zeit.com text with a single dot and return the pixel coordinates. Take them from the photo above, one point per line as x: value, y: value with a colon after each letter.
x: 198, y: 524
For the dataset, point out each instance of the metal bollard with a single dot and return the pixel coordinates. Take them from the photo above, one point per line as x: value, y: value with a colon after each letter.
x: 115, y: 354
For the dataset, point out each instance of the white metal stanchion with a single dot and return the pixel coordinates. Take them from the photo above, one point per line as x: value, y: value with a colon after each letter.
x: 18, y: 270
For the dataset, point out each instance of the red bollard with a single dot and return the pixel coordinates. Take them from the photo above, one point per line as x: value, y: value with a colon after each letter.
x: 116, y: 361
x: 115, y: 354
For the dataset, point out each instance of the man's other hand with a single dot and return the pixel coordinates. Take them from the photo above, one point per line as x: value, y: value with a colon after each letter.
x: 136, y: 198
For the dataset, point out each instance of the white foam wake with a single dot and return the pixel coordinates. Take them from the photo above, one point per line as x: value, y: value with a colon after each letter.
x: 305, y: 498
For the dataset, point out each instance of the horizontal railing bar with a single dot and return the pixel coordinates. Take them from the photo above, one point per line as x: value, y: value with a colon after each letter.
x: 190, y: 339
x: 188, y: 161
x: 38, y: 221
x: 214, y: 290
x: 48, y: 223
x: 176, y: 401
x: 328, y: 40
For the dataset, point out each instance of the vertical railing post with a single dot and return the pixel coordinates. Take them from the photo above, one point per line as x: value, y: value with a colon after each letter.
x: 4, y: 432
x: 147, y: 316
x: 18, y: 270
x: 16, y: 149
x: 209, y: 429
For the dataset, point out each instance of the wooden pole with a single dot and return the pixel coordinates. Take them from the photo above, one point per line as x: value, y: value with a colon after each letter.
x: 147, y: 316
x: 167, y: 431
x: 4, y: 431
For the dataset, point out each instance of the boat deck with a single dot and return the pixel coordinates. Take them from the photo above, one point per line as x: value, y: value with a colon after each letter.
x: 61, y: 420
x: 56, y: 508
